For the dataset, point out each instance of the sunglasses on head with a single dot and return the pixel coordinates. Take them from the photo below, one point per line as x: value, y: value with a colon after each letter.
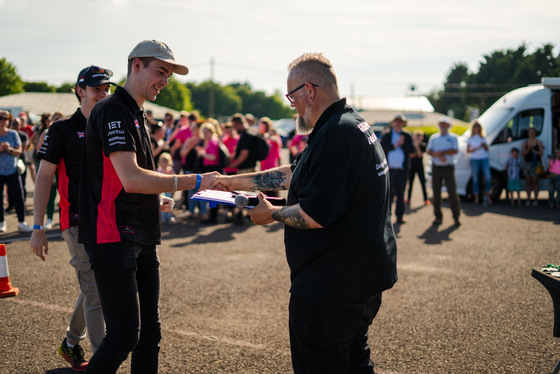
x: 98, y: 70
x: 95, y: 72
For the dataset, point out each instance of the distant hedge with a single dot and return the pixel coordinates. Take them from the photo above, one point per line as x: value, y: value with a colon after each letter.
x: 430, y: 130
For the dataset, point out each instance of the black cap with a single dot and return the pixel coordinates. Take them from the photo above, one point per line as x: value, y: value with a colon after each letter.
x: 94, y: 76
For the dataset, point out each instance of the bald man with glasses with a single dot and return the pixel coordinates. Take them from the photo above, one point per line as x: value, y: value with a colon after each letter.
x: 340, y: 243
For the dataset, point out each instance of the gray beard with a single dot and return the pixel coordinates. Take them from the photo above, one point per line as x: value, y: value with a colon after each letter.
x: 303, y: 124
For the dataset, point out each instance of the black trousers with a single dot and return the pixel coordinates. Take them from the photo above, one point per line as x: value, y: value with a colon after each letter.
x: 127, y: 278
x: 15, y: 191
x: 441, y: 175
x: 417, y: 168
x: 331, y: 337
x: 398, y: 179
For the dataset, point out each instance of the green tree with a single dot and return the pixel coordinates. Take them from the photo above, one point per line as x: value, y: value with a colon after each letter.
x: 65, y: 87
x: 175, y: 96
x: 499, y: 72
x: 10, y: 81
x: 452, y: 96
x: 38, y: 87
x: 226, y: 100
x: 259, y: 104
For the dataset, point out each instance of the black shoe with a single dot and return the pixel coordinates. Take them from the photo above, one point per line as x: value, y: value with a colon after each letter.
x: 457, y: 223
x: 75, y: 356
x: 437, y: 222
x: 400, y: 221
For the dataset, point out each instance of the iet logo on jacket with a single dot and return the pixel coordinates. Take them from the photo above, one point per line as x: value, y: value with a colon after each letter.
x: 113, y: 125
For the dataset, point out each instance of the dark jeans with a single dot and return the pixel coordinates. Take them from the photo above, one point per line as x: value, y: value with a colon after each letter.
x: 398, y: 178
x: 331, y: 337
x: 127, y: 277
x: 441, y: 174
x: 15, y: 191
x: 419, y: 169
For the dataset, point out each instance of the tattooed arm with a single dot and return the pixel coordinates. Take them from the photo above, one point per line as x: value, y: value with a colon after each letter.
x: 292, y: 215
x: 274, y: 179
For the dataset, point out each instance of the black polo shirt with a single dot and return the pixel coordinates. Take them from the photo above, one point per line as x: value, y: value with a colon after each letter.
x: 62, y: 146
x: 108, y: 213
x: 246, y: 141
x: 341, y: 181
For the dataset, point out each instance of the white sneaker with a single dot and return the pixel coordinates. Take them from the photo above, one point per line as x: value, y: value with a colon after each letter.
x: 23, y: 227
x: 3, y: 227
x: 49, y: 224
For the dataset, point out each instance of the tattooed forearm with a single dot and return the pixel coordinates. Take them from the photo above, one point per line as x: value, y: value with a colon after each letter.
x: 275, y: 180
x: 291, y: 216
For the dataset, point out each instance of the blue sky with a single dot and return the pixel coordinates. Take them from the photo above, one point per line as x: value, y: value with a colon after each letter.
x: 378, y: 47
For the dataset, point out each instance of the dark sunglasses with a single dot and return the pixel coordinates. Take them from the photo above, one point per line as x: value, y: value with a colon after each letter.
x: 2, y: 118
x: 97, y: 70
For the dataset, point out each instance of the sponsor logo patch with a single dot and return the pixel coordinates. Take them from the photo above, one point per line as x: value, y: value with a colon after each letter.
x: 114, y: 125
x: 126, y: 230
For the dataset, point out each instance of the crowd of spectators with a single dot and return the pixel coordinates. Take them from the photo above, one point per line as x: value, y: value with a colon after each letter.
x: 230, y: 146
x: 188, y: 144
x: 184, y: 144
x: 20, y: 139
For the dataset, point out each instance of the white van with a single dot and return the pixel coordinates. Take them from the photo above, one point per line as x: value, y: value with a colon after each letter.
x: 506, y: 124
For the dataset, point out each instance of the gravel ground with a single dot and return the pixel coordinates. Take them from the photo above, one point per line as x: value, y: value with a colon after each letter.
x: 465, y: 301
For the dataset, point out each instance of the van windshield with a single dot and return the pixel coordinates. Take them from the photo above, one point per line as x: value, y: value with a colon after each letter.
x: 494, y: 117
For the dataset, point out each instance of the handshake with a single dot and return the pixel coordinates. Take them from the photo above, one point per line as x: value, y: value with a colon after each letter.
x: 261, y: 207
x: 216, y: 181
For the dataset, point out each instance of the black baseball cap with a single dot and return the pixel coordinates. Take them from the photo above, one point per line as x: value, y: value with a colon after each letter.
x: 94, y: 76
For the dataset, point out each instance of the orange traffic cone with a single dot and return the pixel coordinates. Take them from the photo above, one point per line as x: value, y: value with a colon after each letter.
x: 6, y: 288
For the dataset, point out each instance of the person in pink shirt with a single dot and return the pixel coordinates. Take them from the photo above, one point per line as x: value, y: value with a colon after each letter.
x: 554, y: 180
x: 177, y: 138
x: 274, y: 142
x: 209, y: 152
x: 297, y: 144
x: 230, y: 139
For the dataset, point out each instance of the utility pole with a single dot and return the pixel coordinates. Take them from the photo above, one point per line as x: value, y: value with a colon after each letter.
x: 211, y: 98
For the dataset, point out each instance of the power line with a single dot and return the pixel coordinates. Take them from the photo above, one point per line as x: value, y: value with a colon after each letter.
x: 236, y: 66
x: 483, y: 85
x: 473, y: 94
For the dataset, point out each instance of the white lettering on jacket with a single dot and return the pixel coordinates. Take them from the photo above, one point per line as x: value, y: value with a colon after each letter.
x: 114, y: 125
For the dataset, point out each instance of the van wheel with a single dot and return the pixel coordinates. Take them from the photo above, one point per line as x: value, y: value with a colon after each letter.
x: 498, y: 184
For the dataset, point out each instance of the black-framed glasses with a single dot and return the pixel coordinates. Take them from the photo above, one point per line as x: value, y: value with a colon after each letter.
x: 2, y: 118
x: 290, y: 94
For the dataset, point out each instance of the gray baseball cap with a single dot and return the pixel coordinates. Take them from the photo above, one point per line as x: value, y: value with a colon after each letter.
x: 159, y: 50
